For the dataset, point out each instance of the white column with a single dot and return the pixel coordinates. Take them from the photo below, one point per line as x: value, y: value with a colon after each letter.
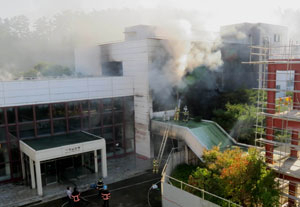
x: 22, y: 165
x: 96, y: 161
x: 186, y: 152
x: 38, y: 178
x: 103, y: 161
x: 32, y: 173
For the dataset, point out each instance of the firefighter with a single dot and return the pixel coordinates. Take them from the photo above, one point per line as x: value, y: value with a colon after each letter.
x: 177, y: 113
x: 105, y: 196
x: 76, y: 198
x: 99, y: 186
x: 186, y: 114
x: 155, y: 166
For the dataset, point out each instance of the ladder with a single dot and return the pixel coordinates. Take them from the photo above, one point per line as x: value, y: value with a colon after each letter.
x: 163, y: 144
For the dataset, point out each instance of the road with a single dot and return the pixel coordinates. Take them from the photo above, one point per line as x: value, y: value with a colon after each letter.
x: 131, y: 192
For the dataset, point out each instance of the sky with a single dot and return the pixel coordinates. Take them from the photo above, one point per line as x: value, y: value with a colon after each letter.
x: 213, y: 13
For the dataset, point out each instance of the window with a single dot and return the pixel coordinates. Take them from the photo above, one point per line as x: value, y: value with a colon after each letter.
x: 107, y: 119
x: 119, y: 134
x: 2, y: 118
x: 42, y: 112
x: 107, y: 105
x: 2, y: 134
x: 15, y: 152
x: 43, y: 128
x: 113, y: 68
x: 59, y: 126
x: 129, y: 145
x: 95, y: 106
x: 118, y: 104
x: 12, y: 130
x: 11, y: 116
x: 74, y: 109
x: 58, y: 110
x: 118, y: 118
x: 26, y: 130
x: 95, y: 120
x: 25, y: 114
x: 276, y: 38
x: 85, y: 122
x: 85, y: 107
x: 108, y: 134
x: 74, y: 124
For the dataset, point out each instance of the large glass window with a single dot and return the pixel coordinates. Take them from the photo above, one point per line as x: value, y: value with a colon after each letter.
x: 107, y: 119
x: 2, y: 134
x: 2, y: 117
x: 43, y: 128
x: 118, y: 104
x: 26, y: 131
x: 11, y: 116
x: 58, y: 110
x: 118, y: 117
x: 4, y: 156
x: 4, y: 171
x: 25, y: 113
x: 17, y: 169
x: 110, y: 149
x: 119, y: 133
x: 85, y: 122
x: 129, y: 145
x: 107, y: 104
x: 15, y: 152
x: 42, y: 112
x: 85, y: 107
x: 95, y: 106
x: 108, y: 134
x: 74, y: 108
x: 12, y: 130
x: 74, y: 124
x: 95, y: 120
x: 59, y: 126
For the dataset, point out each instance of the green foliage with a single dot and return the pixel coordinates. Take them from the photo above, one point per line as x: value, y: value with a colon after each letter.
x: 183, y: 171
x: 47, y: 70
x: 237, y: 176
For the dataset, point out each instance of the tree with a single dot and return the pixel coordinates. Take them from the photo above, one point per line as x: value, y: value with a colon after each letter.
x: 237, y: 176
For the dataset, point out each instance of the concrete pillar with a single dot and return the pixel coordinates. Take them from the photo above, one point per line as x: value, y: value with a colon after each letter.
x: 103, y: 162
x: 38, y: 178
x: 32, y: 173
x: 292, y: 192
x: 23, y: 165
x: 96, y: 161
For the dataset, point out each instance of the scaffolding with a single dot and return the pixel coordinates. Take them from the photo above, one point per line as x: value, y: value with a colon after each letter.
x: 278, y: 114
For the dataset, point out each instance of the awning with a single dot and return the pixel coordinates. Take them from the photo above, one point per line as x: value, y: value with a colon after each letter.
x: 58, y: 146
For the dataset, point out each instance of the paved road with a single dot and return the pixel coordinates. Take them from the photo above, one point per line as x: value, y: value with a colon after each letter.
x: 132, y: 192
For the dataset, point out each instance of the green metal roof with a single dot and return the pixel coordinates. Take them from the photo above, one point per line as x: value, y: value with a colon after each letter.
x: 208, y: 133
x: 59, y: 140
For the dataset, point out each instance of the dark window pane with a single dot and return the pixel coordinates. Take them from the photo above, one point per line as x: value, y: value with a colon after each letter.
x: 74, y: 124
x: 26, y: 130
x: 17, y: 169
x: 95, y: 106
x: 128, y: 109
x: 118, y: 104
x: 42, y: 112
x: 12, y: 130
x: 129, y: 130
x: 15, y: 152
x: 112, y: 68
x: 59, y: 126
x: 119, y: 133
x: 109, y: 149
x: 58, y: 110
x: 4, y: 171
x: 85, y: 107
x: 2, y: 118
x: 129, y: 145
x: 43, y: 128
x: 4, y: 156
x: 11, y: 116
x: 108, y: 134
x: 85, y: 122
x: 95, y: 132
x: 107, y: 104
x: 2, y: 134
x: 118, y: 117
x: 107, y: 119
x: 25, y: 113
x: 95, y: 120
x: 74, y: 108
x: 119, y: 148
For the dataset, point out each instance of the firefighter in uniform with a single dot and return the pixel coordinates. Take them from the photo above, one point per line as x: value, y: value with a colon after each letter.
x: 177, y: 113
x: 99, y: 186
x: 105, y: 196
x: 186, y: 114
x: 155, y: 166
x: 76, y: 198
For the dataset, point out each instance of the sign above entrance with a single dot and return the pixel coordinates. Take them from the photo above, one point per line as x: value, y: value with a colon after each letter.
x: 73, y: 149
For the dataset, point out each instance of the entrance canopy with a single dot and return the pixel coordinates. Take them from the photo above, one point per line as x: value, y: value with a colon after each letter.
x: 54, y: 147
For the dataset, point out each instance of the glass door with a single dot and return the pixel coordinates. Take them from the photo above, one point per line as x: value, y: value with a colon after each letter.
x: 51, y: 172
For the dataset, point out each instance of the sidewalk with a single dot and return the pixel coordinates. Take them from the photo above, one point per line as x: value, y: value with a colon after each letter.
x: 118, y: 169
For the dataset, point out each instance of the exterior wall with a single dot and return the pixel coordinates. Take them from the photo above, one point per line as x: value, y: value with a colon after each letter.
x: 134, y: 56
x: 27, y: 92
x: 173, y: 196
